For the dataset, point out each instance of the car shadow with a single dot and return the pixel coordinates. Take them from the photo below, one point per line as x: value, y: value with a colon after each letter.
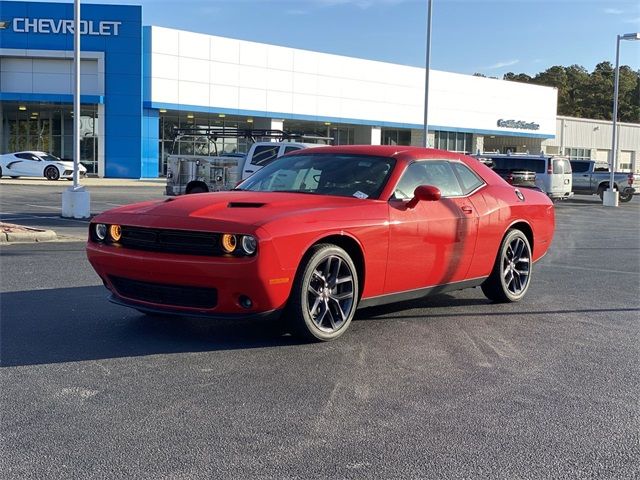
x: 78, y: 324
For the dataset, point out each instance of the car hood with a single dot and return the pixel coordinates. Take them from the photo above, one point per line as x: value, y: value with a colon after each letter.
x: 66, y: 164
x: 225, y: 209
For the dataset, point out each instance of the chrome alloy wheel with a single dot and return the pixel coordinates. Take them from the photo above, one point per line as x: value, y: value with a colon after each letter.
x: 330, y: 294
x: 516, y: 266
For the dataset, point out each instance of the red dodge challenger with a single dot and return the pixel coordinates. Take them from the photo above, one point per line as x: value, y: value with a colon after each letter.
x: 320, y: 232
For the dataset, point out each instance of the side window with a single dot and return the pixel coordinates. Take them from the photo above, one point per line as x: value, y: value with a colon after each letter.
x: 264, y: 153
x: 436, y: 173
x: 290, y: 149
x: 440, y: 174
x: 469, y: 181
x: 558, y: 166
x: 413, y: 176
x: 580, y: 167
x: 27, y: 156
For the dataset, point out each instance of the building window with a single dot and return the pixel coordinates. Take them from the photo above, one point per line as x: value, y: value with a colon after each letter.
x: 453, y: 141
x: 396, y: 137
x: 578, y: 153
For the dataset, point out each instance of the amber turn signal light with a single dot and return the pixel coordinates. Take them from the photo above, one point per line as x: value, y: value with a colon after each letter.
x: 115, y: 232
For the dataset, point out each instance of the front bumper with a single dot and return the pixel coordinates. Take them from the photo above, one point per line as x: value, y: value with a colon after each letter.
x: 259, y: 278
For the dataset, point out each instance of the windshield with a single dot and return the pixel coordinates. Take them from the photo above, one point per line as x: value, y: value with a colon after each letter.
x: 506, y: 164
x: 49, y: 158
x: 343, y: 175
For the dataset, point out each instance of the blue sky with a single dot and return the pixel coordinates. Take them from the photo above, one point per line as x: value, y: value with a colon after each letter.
x: 490, y: 37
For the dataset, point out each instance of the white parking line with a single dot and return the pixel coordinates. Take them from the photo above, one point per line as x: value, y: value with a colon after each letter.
x: 573, y: 267
x: 31, y: 217
x: 42, y: 206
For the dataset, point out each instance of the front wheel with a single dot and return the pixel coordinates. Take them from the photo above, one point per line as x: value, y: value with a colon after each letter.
x: 325, y: 294
x: 51, y: 173
x: 511, y: 275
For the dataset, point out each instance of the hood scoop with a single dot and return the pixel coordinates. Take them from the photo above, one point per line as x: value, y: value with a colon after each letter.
x: 245, y: 205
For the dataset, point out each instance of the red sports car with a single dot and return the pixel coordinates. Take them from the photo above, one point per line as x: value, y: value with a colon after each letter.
x: 322, y: 231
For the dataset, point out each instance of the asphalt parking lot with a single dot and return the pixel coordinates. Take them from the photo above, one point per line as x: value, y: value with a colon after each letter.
x: 450, y: 387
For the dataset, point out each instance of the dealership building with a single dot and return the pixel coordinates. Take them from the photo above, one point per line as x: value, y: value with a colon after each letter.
x: 141, y: 84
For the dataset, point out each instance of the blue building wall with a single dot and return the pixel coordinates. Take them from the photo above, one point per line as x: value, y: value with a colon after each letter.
x: 123, y: 123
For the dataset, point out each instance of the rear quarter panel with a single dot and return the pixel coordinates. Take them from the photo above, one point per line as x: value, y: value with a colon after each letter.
x: 499, y: 209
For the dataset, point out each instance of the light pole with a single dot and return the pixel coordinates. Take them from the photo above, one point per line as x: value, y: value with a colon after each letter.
x: 610, y: 198
x: 75, y: 200
x: 425, y: 142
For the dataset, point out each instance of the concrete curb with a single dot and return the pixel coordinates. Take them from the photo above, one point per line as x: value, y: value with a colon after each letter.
x: 10, y: 233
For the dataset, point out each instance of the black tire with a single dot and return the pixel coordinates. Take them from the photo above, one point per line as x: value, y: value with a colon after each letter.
x: 51, y: 173
x: 197, y: 189
x: 0, y: 172
x: 327, y: 277
x: 625, y: 197
x: 511, y: 274
x: 15, y: 177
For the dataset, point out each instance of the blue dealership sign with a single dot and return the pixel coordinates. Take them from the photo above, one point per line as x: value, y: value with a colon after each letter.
x: 113, y: 30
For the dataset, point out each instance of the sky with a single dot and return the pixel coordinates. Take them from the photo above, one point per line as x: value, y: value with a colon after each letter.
x: 468, y: 36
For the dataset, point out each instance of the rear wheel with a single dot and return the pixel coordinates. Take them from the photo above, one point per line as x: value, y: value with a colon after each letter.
x: 325, y: 294
x: 511, y: 275
x: 51, y: 173
x: 625, y: 197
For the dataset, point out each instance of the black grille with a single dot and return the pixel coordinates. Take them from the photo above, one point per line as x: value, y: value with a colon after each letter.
x: 171, y: 295
x: 171, y: 241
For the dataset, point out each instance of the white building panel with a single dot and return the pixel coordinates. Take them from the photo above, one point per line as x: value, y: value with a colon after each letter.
x: 194, y: 45
x: 252, y: 99
x: 193, y: 93
x: 165, y: 40
x: 280, y: 58
x: 253, y: 54
x: 222, y: 49
x: 166, y: 90
x: 279, y: 101
x: 280, y: 81
x: 252, y: 77
x: 165, y: 66
x: 194, y: 70
x: 361, y: 90
x: 224, y: 73
x: 224, y: 96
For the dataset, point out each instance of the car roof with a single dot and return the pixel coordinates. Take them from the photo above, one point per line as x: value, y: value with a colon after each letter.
x: 396, y: 151
x: 33, y: 152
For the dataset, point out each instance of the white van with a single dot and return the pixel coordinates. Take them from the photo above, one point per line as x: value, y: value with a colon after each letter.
x: 553, y: 174
x: 263, y: 153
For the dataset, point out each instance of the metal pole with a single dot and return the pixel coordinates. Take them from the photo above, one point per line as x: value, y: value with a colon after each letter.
x: 76, y: 92
x: 425, y: 142
x: 614, y: 141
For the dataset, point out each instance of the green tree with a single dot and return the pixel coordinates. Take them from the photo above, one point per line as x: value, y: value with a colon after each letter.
x: 517, y: 77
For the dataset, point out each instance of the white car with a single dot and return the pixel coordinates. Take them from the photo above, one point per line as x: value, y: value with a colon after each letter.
x: 37, y: 164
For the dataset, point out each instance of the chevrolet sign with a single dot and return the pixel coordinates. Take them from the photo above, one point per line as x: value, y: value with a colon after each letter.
x: 51, y: 26
x: 518, y: 124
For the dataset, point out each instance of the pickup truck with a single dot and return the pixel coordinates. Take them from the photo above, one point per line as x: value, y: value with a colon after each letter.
x: 591, y: 178
x: 201, y: 173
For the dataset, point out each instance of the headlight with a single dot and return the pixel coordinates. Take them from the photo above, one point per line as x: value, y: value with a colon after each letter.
x: 100, y: 229
x: 115, y: 232
x: 249, y: 244
x: 229, y: 243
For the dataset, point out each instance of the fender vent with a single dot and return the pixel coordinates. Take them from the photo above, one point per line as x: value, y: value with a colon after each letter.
x: 245, y: 205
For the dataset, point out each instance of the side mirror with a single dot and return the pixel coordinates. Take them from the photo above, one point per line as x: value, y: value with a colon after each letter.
x: 424, y: 193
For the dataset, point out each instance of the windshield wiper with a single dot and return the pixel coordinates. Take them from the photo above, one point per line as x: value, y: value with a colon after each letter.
x: 294, y: 191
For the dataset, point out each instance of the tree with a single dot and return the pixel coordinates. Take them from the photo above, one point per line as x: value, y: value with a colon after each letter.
x: 519, y: 77
x: 590, y: 95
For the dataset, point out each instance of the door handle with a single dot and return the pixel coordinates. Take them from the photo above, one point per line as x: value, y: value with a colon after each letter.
x: 467, y: 209
x: 249, y: 171
x: 585, y: 175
